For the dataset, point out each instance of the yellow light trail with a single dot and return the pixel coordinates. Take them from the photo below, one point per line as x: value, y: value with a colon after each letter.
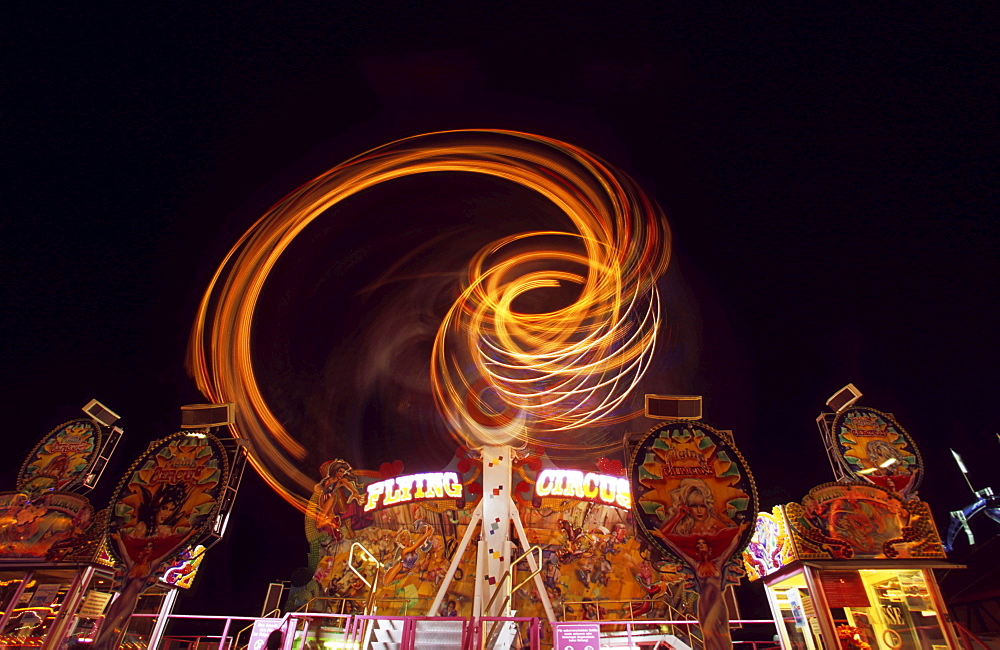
x: 564, y: 368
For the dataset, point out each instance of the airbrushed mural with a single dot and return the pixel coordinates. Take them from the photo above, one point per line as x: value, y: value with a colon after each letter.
x: 45, y: 527
x: 842, y: 521
x: 877, y: 450
x: 854, y: 521
x: 413, y: 524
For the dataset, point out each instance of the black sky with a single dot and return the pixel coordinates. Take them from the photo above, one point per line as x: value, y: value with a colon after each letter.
x: 829, y: 177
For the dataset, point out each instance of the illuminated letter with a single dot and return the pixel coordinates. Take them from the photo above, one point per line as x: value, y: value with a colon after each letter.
x: 574, y: 487
x: 558, y: 480
x: 405, y: 483
x: 590, y: 489
x: 545, y: 483
x: 451, y: 485
x: 435, y: 485
x: 419, y: 480
x: 375, y: 490
x: 624, y: 496
x: 607, y: 489
x: 391, y: 495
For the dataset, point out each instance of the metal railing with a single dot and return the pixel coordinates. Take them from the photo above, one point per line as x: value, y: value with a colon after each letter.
x: 594, y: 610
x: 223, y: 639
x: 352, y: 631
x: 632, y: 633
x: 509, y: 575
x: 415, y: 606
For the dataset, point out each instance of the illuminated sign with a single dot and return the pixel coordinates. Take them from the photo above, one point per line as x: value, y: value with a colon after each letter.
x: 415, y: 487
x: 610, y: 490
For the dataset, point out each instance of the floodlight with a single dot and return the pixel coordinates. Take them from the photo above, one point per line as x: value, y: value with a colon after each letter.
x: 843, y: 398
x: 673, y: 407
x: 205, y: 416
x: 101, y: 413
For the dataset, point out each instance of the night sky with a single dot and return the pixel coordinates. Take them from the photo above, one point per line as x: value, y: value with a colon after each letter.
x: 829, y: 178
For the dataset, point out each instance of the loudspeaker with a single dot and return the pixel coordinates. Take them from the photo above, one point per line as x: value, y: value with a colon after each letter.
x: 673, y: 407
x: 203, y: 416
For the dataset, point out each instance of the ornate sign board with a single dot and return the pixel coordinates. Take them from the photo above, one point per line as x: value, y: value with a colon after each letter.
x: 694, y: 499
x: 693, y: 496
x: 167, y: 499
x: 861, y: 521
x: 875, y: 449
x: 45, y: 526
x: 63, y: 458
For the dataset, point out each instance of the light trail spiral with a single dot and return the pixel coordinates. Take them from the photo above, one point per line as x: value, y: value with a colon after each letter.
x: 551, y: 368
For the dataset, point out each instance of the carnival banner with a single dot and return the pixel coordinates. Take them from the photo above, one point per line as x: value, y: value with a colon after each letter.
x: 694, y: 499
x: 62, y: 459
x: 875, y: 449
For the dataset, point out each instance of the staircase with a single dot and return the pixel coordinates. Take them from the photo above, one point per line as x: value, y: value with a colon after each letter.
x: 443, y: 634
x: 503, y: 636
x: 388, y: 634
x: 438, y: 634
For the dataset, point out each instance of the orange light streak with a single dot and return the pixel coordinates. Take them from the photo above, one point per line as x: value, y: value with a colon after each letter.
x: 566, y: 368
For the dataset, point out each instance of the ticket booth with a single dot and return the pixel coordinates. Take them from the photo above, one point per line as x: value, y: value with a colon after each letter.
x: 852, y: 564
x: 52, y: 600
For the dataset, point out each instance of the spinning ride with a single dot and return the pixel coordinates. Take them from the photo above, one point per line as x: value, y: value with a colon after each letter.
x: 514, y: 373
